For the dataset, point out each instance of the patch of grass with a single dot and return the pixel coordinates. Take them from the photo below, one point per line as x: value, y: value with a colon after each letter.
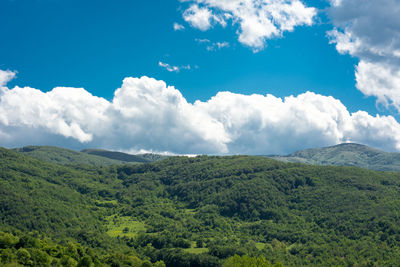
x: 124, y: 226
x: 260, y: 246
x: 107, y: 203
x: 196, y: 250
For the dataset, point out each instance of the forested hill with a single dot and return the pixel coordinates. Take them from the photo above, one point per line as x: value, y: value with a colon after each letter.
x: 97, y: 157
x: 64, y: 156
x: 199, y: 211
x: 340, y: 155
x: 124, y: 157
x: 348, y: 154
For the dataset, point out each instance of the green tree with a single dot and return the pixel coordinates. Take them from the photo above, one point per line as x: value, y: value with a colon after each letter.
x: 246, y: 261
x: 67, y: 261
x: 24, y: 257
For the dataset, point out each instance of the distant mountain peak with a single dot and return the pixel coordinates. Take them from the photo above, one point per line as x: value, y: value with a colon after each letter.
x: 347, y: 154
x: 353, y: 145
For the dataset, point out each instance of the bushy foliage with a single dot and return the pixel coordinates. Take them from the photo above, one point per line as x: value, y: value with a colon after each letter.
x: 33, y: 250
x: 246, y: 261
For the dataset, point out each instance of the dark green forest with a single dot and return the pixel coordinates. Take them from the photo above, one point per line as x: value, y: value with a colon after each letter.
x: 196, y: 211
x: 97, y: 157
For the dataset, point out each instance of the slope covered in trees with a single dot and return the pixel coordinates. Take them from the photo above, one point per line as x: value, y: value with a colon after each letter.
x: 205, y: 211
x: 124, y: 157
x: 65, y: 156
x: 96, y: 157
x: 348, y: 154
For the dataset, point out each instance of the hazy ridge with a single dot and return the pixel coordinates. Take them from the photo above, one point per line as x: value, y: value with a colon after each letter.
x: 348, y: 154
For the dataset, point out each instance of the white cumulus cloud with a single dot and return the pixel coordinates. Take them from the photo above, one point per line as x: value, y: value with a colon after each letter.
x: 62, y: 111
x: 381, y: 80
x: 198, y: 17
x: 258, y: 20
x: 146, y: 114
x: 370, y: 30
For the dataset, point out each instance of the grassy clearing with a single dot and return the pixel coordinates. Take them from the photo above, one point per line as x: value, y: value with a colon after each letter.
x: 260, y: 246
x: 107, y: 203
x: 124, y: 226
x: 195, y: 250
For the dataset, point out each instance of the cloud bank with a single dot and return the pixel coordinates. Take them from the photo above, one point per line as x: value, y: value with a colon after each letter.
x: 147, y: 114
x: 258, y: 20
x: 370, y: 31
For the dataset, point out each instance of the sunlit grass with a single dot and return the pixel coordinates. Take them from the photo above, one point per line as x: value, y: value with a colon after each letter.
x: 124, y: 226
x: 195, y: 250
x: 260, y: 246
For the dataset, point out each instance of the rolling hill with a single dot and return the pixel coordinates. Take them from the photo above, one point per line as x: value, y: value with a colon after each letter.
x: 64, y: 156
x: 348, y: 154
x: 52, y: 215
x: 199, y: 211
x: 124, y: 157
x: 95, y: 157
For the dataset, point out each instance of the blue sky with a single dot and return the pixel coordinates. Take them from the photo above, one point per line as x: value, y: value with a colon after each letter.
x: 96, y: 44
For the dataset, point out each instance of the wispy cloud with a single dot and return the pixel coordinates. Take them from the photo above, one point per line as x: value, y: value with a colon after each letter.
x: 178, y: 27
x: 202, y: 41
x: 6, y: 76
x: 217, y: 46
x: 212, y: 46
x: 171, y: 68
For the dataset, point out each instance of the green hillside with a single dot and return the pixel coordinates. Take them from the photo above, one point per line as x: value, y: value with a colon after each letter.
x: 151, y: 157
x: 201, y: 211
x: 347, y: 155
x: 57, y: 200
x: 64, y: 156
x: 124, y: 157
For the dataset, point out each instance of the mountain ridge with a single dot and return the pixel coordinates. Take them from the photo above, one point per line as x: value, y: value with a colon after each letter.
x: 63, y: 156
x: 94, y: 157
x: 346, y: 154
x: 125, y: 157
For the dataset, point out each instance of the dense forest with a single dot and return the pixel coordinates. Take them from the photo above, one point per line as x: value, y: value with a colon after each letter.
x: 97, y: 157
x: 196, y: 211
